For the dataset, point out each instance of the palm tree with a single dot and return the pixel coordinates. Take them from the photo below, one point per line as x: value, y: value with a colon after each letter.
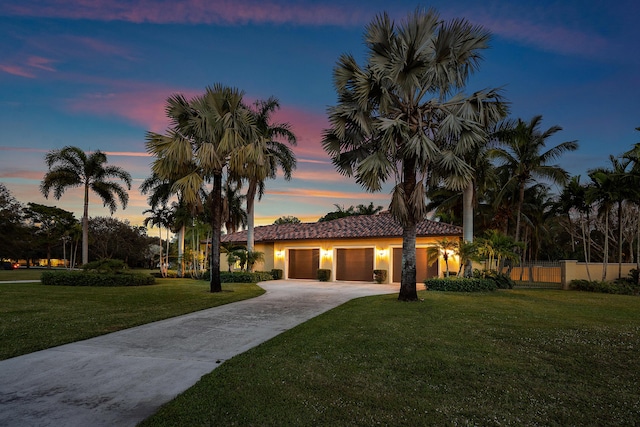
x: 634, y: 156
x: 206, y: 136
x: 401, y: 115
x: 612, y: 187
x: 523, y: 161
x: 160, y: 217
x: 233, y: 216
x: 71, y: 167
x: 444, y: 247
x: 263, y: 156
x: 574, y: 196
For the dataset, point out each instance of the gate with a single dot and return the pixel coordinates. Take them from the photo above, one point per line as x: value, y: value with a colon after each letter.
x: 538, y: 274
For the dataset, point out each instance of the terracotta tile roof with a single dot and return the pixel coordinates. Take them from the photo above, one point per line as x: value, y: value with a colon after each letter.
x: 351, y: 227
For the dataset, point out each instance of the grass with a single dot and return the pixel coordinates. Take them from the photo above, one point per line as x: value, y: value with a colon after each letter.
x: 34, y: 317
x: 516, y: 357
x: 21, y: 274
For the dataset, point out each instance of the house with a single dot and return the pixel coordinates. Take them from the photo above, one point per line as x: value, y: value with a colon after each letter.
x: 351, y: 247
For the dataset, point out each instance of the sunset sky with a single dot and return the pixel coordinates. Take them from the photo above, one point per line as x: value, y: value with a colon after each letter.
x: 96, y: 74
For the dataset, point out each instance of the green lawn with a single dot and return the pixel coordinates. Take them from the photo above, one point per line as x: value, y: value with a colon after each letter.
x: 34, y: 317
x: 21, y: 274
x: 517, y: 357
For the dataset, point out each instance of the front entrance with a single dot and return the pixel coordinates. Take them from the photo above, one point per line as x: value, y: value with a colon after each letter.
x: 354, y: 264
x: 304, y: 263
x: 423, y: 270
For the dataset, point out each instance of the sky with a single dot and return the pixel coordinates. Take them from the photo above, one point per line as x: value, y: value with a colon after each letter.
x: 96, y: 74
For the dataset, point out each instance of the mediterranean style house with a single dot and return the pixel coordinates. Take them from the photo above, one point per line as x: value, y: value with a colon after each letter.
x: 351, y: 247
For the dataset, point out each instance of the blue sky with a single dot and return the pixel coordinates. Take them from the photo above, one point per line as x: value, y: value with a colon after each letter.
x: 96, y: 74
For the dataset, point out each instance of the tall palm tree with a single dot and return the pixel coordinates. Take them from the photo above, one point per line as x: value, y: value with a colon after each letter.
x: 71, y: 167
x: 205, y: 137
x: 401, y: 115
x: 264, y: 155
x: 521, y: 156
x: 634, y: 156
x: 612, y: 186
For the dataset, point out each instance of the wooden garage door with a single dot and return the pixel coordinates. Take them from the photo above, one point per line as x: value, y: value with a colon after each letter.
x: 304, y: 263
x: 354, y: 264
x: 423, y: 271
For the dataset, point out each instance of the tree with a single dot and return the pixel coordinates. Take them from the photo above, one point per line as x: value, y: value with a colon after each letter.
x: 71, y: 167
x: 160, y: 216
x: 50, y: 224
x: 205, y: 137
x: 341, y: 212
x: 444, y: 248
x: 233, y: 216
x: 116, y: 239
x: 11, y: 227
x: 523, y: 161
x: 264, y: 155
x: 287, y: 220
x: 401, y: 115
x: 612, y: 186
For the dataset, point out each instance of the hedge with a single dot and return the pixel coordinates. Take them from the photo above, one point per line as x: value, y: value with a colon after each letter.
x: 620, y: 288
x: 241, y: 276
x: 460, y: 284
x: 82, y: 278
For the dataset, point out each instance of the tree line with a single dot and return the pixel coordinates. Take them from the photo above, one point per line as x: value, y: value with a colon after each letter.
x: 402, y: 116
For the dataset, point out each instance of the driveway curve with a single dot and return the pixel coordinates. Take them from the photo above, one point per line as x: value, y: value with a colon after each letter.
x: 121, y: 378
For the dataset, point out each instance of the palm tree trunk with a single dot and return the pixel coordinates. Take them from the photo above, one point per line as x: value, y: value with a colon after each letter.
x: 251, y: 195
x: 584, y: 245
x: 181, y: 251
x: 605, y: 256
x: 519, y: 213
x: 408, y: 290
x: 85, y: 226
x: 620, y: 240
x: 467, y: 223
x: 216, y: 225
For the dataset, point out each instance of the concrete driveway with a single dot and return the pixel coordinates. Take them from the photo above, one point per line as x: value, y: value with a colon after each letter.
x: 121, y: 378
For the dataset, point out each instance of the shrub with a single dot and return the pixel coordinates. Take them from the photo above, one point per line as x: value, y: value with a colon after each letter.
x: 241, y: 276
x: 621, y: 287
x: 460, y: 284
x: 85, y: 278
x: 277, y: 274
x: 501, y: 280
x: 380, y: 276
x: 324, y: 274
x: 105, y: 265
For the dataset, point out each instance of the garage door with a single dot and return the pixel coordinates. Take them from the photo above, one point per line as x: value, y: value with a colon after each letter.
x: 304, y: 263
x: 423, y: 271
x: 354, y: 264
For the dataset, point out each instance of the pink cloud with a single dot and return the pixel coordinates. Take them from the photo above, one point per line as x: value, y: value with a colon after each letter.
x: 139, y: 104
x: 325, y: 194
x: 13, y: 173
x: 229, y: 12
x: 17, y: 70
x: 40, y: 63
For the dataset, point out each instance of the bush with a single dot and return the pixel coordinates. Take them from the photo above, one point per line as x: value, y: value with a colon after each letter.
x: 85, y: 278
x: 171, y: 274
x: 380, y: 276
x: 277, y: 274
x: 241, y: 276
x: 105, y: 266
x: 501, y: 280
x: 324, y: 274
x: 621, y: 287
x: 460, y: 284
